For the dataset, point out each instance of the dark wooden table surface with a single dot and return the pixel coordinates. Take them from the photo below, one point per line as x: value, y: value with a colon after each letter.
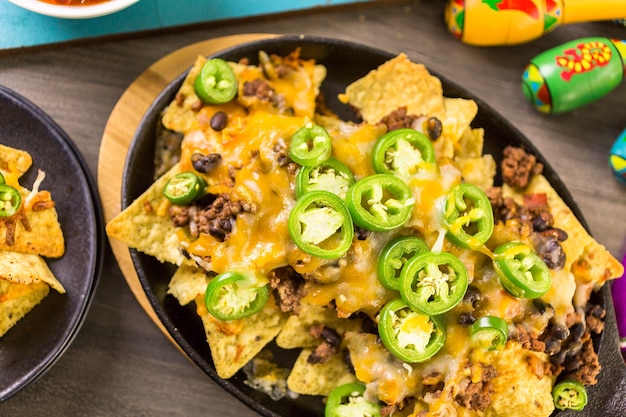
x: 120, y: 364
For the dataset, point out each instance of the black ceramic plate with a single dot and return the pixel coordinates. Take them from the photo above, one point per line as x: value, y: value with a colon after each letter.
x: 345, y: 62
x: 33, y: 345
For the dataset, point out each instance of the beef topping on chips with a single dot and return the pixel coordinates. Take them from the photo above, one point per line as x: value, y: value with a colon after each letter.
x: 288, y: 288
x: 518, y: 167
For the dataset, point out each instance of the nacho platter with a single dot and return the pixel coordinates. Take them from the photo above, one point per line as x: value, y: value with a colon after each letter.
x: 334, y: 55
x: 33, y: 345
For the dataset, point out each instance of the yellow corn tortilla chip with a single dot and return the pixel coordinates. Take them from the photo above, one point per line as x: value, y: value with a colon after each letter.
x: 235, y: 343
x: 400, y: 82
x: 145, y: 225
x: 25, y: 268
x: 43, y: 236
x: 16, y: 300
x: 187, y: 283
x: 318, y: 379
x: 295, y: 333
x: 396, y: 83
x: 520, y: 391
x: 14, y: 161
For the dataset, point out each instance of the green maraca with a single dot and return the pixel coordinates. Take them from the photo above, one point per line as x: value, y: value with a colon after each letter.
x: 574, y: 74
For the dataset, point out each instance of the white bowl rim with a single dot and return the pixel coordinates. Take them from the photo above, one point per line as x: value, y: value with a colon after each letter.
x: 74, y: 12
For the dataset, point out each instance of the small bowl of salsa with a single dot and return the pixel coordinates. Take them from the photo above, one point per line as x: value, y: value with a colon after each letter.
x: 74, y: 9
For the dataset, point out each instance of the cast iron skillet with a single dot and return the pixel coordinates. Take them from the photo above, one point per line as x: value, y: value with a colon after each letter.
x: 33, y: 345
x: 345, y: 62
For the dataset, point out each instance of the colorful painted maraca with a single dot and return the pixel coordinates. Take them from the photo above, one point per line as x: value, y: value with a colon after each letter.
x: 574, y: 74
x: 510, y: 22
x: 617, y: 162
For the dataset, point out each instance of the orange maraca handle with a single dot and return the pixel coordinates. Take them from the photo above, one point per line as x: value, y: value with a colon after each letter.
x: 511, y: 22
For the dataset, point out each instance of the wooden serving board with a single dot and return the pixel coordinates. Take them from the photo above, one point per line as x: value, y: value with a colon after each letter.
x: 119, y: 132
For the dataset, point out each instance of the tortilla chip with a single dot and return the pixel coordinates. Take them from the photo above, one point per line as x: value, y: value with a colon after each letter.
x: 188, y: 283
x: 16, y: 300
x: 24, y: 268
x: 145, y: 225
x: 14, y: 161
x: 235, y: 343
x: 478, y: 171
x: 456, y: 120
x: 396, y: 83
x: 295, y: 333
x: 318, y: 379
x: 43, y: 236
x: 520, y: 391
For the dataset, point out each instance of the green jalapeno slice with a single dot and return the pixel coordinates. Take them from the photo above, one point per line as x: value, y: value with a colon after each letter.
x: 184, y: 187
x: 216, y: 83
x: 489, y: 333
x: 310, y: 145
x: 320, y: 225
x: 467, y: 216
x: 569, y: 395
x: 233, y: 296
x: 380, y: 202
x: 409, y: 335
x: 521, y: 271
x: 2, y: 180
x: 394, y: 256
x: 347, y: 401
x: 403, y: 152
x: 10, y: 200
x: 433, y: 282
x: 331, y: 175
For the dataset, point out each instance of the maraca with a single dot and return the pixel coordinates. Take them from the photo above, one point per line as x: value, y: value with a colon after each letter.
x: 617, y: 162
x: 510, y: 22
x: 574, y: 74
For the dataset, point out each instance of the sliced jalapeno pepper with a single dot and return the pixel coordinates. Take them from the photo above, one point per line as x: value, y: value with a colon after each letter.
x: 522, y: 272
x: 394, y: 256
x: 433, y: 282
x: 184, y: 187
x: 331, y: 175
x: 347, y: 401
x: 310, y: 145
x: 468, y: 216
x: 233, y: 296
x: 410, y: 335
x: 216, y: 83
x: 2, y: 181
x: 320, y: 225
x: 10, y: 200
x: 403, y: 152
x: 380, y: 202
x: 489, y: 332
x: 569, y: 395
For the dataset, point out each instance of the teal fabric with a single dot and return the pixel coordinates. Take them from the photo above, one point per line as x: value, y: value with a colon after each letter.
x: 21, y: 28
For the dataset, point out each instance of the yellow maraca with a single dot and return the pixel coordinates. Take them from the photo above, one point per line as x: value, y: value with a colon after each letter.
x: 510, y: 22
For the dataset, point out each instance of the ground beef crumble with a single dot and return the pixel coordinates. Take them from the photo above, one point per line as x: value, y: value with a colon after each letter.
x: 477, y: 395
x: 288, y: 288
x: 518, y: 167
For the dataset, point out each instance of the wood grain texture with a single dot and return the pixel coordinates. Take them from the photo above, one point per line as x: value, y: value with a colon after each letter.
x: 120, y: 363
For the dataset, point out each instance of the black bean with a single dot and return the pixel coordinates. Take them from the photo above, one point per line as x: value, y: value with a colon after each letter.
x: 218, y: 121
x: 553, y: 346
x: 205, y: 163
x: 577, y: 331
x: 331, y: 336
x: 434, y: 128
x: 559, y: 332
x: 573, y: 365
x: 472, y: 296
x: 217, y: 233
x: 466, y: 319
